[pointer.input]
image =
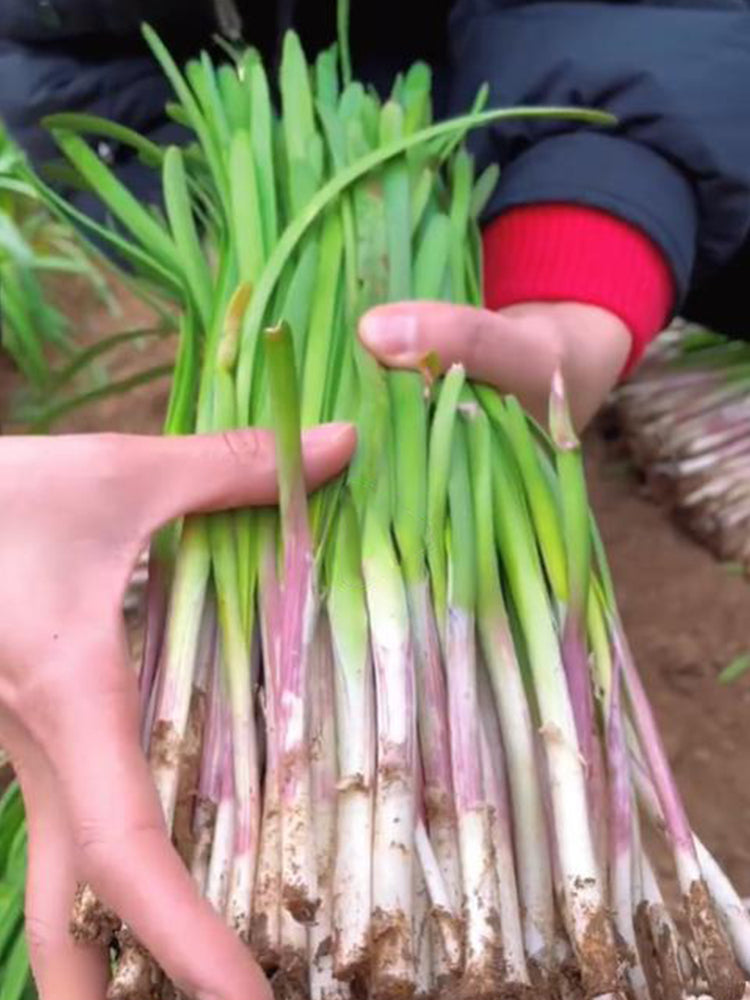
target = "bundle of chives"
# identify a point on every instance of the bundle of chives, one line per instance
(421, 737)
(686, 419)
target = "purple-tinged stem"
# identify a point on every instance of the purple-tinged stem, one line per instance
(323, 984)
(220, 865)
(676, 969)
(209, 783)
(299, 610)
(445, 919)
(355, 725)
(732, 911)
(178, 663)
(434, 737)
(155, 625)
(497, 794)
(575, 523)
(576, 663)
(620, 830)
(393, 959)
(423, 942)
(483, 959)
(720, 968)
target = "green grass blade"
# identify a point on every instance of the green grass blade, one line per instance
(140, 259)
(124, 206)
(397, 210)
(41, 421)
(342, 31)
(326, 78)
(185, 233)
(409, 429)
(422, 193)
(84, 358)
(543, 504)
(304, 164)
(261, 116)
(734, 670)
(11, 915)
(296, 97)
(459, 218)
(299, 298)
(193, 115)
(431, 261)
(463, 576)
(246, 219)
(416, 97)
(215, 111)
(438, 467)
(181, 408)
(84, 124)
(233, 98)
(321, 331)
(484, 188)
(575, 510)
(11, 818)
(16, 972)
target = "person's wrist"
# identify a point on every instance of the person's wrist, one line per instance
(568, 255)
(588, 344)
(595, 342)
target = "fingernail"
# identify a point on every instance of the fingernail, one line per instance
(390, 333)
(327, 434)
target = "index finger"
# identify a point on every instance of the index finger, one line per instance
(126, 855)
(206, 472)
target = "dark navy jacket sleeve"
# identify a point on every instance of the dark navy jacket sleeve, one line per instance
(88, 55)
(36, 81)
(677, 77)
(55, 20)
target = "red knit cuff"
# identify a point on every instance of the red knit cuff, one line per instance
(565, 253)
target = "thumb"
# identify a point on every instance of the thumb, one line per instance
(204, 472)
(508, 353)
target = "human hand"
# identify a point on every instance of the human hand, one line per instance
(517, 349)
(74, 514)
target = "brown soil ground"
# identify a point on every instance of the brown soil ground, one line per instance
(687, 616)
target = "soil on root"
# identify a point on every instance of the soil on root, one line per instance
(567, 984)
(296, 900)
(290, 981)
(391, 956)
(598, 957)
(190, 764)
(659, 966)
(264, 950)
(725, 980)
(137, 976)
(91, 922)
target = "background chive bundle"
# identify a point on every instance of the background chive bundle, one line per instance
(395, 729)
(686, 418)
(33, 247)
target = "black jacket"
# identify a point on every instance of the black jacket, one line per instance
(676, 73)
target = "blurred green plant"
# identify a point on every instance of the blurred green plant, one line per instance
(736, 669)
(36, 243)
(33, 245)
